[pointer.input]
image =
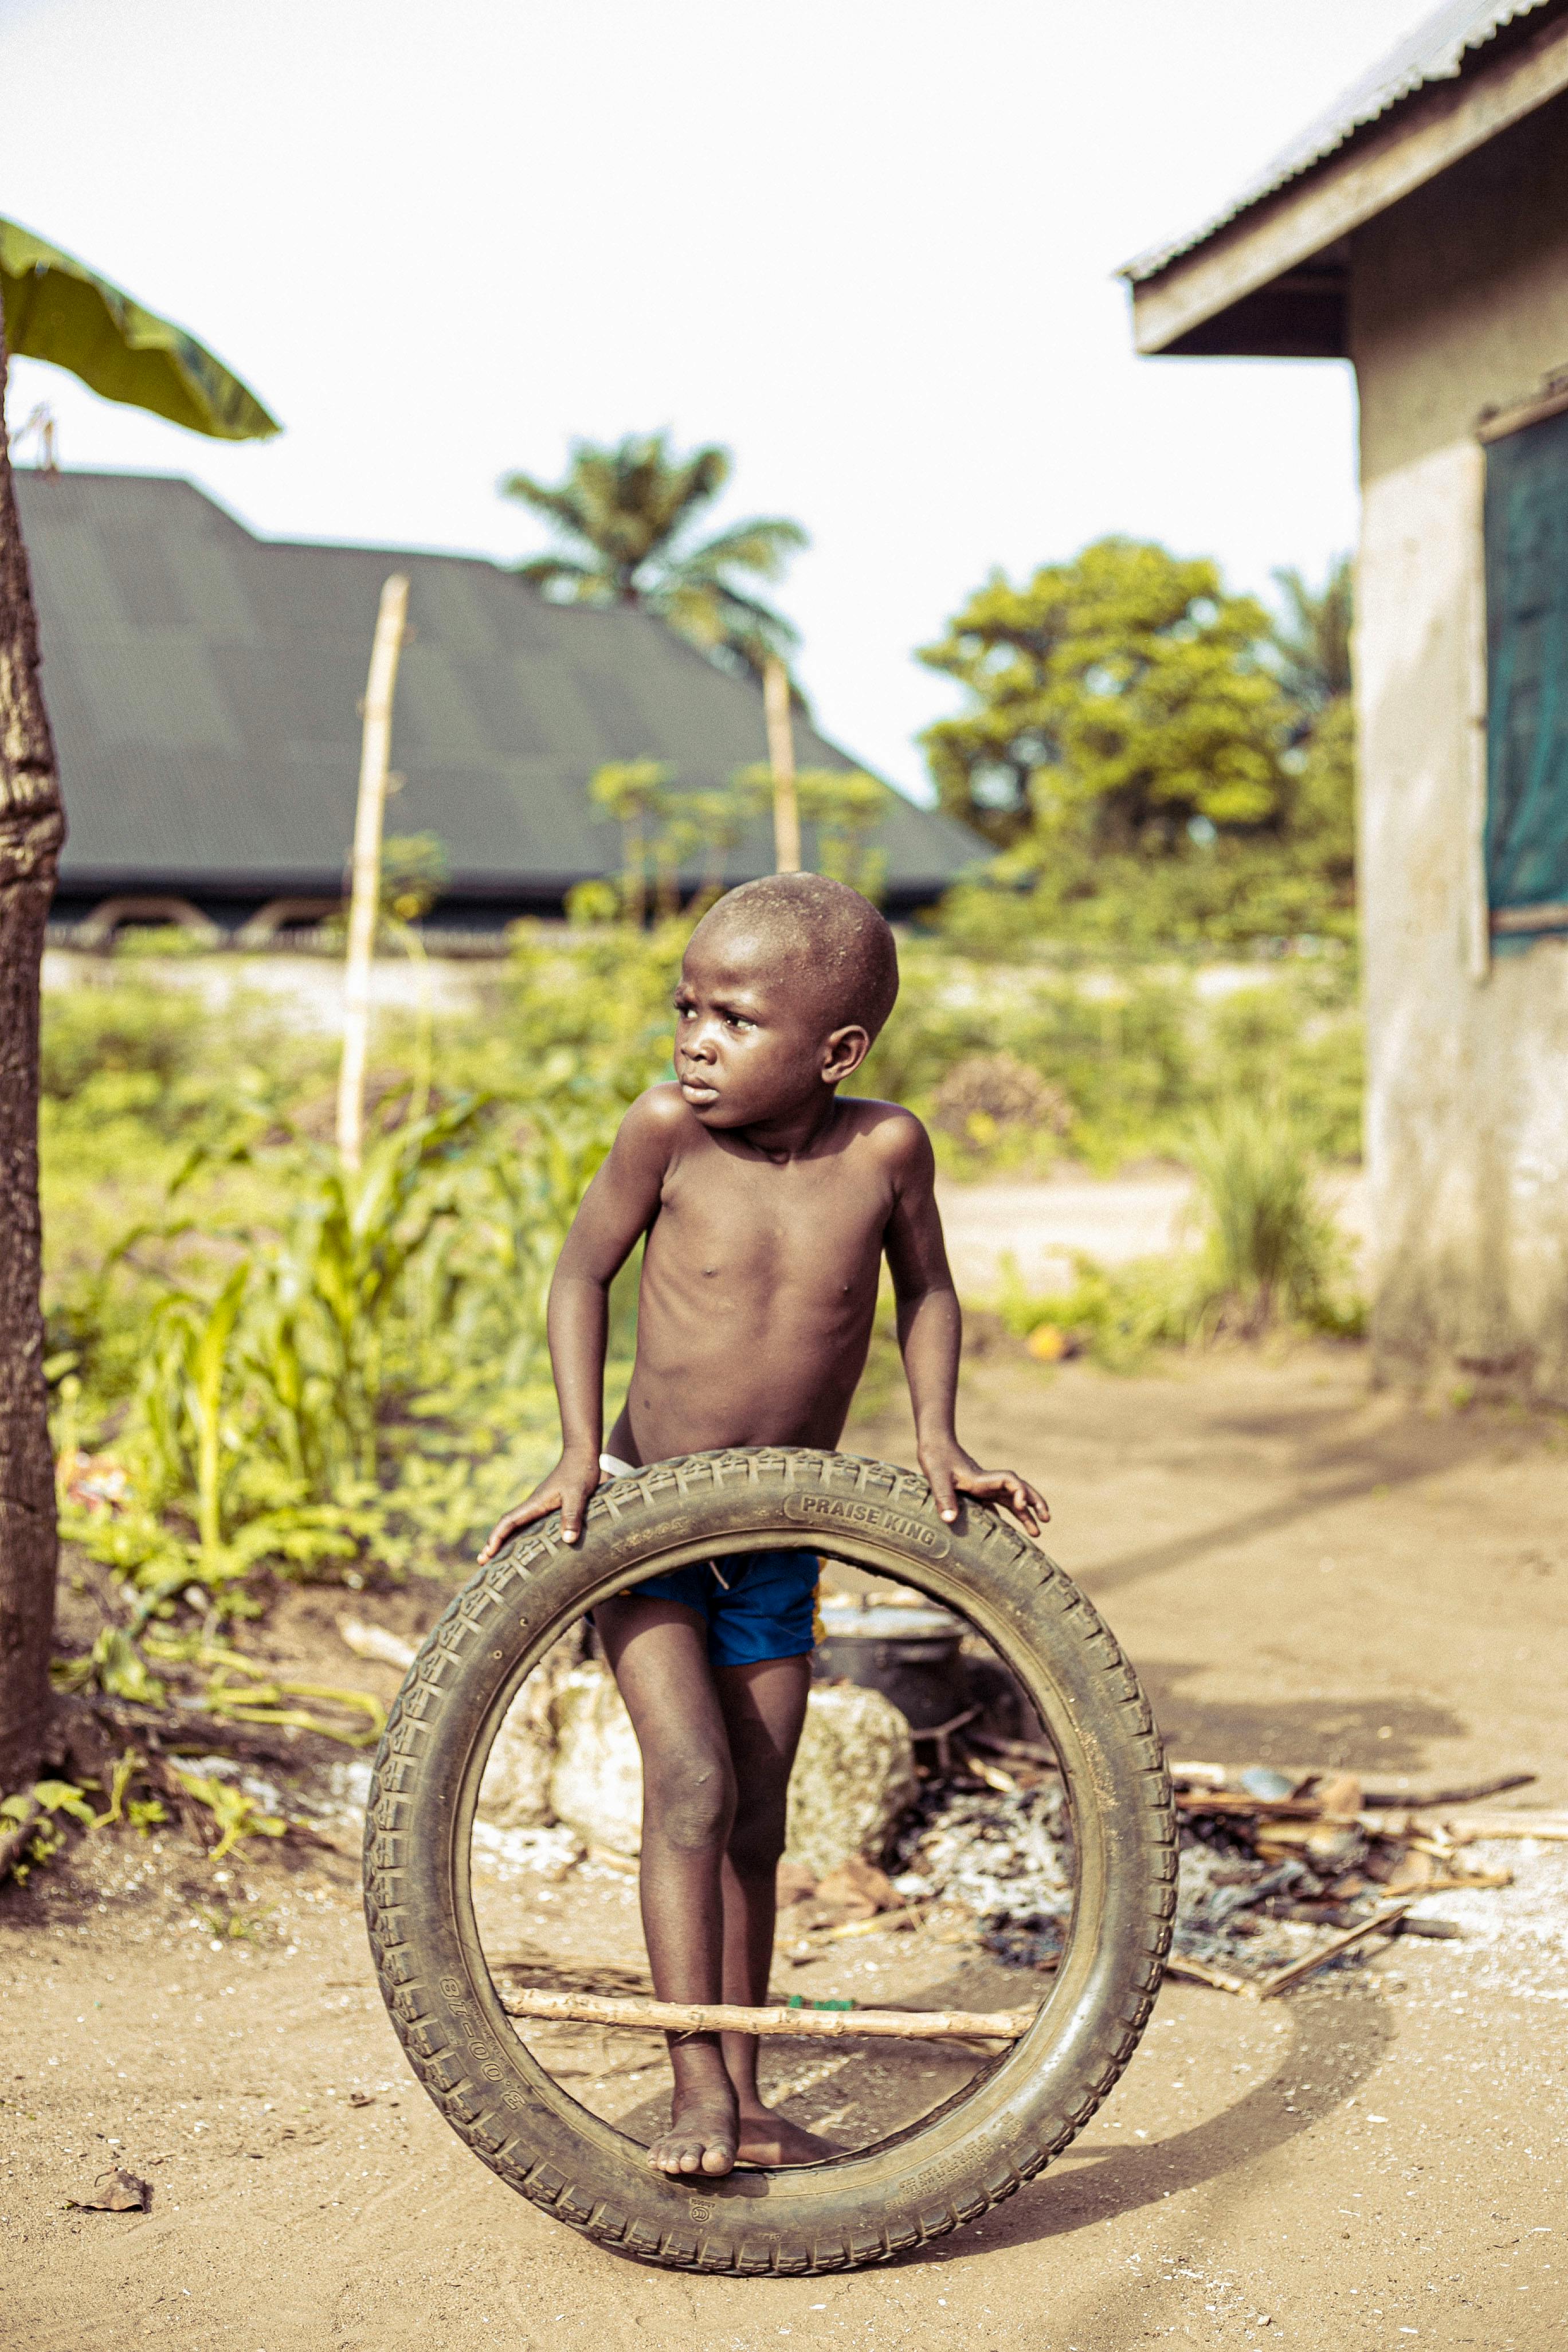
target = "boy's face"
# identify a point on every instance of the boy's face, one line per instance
(750, 1041)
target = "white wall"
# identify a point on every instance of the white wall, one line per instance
(1460, 303)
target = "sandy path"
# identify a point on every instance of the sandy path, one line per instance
(1043, 1227)
(1377, 2161)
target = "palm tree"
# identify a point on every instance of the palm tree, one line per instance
(1312, 640)
(625, 516)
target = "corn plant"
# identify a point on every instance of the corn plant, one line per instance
(189, 1374)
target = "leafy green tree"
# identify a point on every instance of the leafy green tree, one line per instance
(1118, 703)
(626, 517)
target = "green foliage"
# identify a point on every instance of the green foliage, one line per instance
(261, 1367)
(1114, 1314)
(1159, 766)
(39, 1808)
(113, 1664)
(236, 1814)
(665, 828)
(1115, 700)
(624, 516)
(843, 806)
(1129, 1056)
(415, 870)
(359, 1372)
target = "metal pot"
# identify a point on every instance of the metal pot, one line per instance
(910, 1654)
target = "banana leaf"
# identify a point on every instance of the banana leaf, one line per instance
(58, 309)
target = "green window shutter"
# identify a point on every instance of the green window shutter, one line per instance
(1527, 684)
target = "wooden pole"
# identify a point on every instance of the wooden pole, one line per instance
(365, 903)
(819, 2024)
(781, 759)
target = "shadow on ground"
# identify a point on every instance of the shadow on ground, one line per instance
(1379, 1736)
(1339, 2040)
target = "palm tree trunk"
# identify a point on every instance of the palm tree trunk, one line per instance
(32, 827)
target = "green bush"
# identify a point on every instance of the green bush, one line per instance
(1134, 1053)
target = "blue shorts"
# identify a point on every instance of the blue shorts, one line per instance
(756, 1605)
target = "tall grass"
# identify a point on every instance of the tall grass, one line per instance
(1269, 1248)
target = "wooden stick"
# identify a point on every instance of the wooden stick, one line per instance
(1470, 1794)
(1469, 1827)
(781, 759)
(364, 905)
(1282, 1978)
(1027, 1751)
(820, 2024)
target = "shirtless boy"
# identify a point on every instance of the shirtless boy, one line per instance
(767, 1203)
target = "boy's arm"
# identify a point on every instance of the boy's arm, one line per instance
(930, 1329)
(616, 1211)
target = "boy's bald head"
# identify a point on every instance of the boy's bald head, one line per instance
(833, 942)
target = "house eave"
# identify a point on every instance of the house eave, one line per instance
(1270, 283)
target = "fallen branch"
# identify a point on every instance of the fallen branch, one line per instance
(723, 2017)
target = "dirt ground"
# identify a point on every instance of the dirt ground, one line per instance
(1303, 1574)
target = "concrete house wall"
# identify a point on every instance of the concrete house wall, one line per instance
(1457, 304)
(1419, 228)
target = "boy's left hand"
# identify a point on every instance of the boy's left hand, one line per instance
(952, 1471)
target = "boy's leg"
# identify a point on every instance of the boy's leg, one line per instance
(658, 1652)
(764, 1708)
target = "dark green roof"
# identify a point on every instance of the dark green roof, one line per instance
(204, 684)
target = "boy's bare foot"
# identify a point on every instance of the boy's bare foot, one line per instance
(702, 2135)
(768, 2137)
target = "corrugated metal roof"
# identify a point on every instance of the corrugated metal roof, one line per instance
(1435, 51)
(204, 684)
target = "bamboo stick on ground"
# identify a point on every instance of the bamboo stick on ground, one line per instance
(1282, 1978)
(724, 2017)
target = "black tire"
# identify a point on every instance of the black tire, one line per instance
(944, 2170)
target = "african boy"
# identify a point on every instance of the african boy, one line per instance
(768, 1203)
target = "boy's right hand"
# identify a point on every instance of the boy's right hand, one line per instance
(566, 1489)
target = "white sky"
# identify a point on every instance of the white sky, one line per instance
(866, 244)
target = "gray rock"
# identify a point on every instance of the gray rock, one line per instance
(515, 1791)
(854, 1775)
(595, 1786)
